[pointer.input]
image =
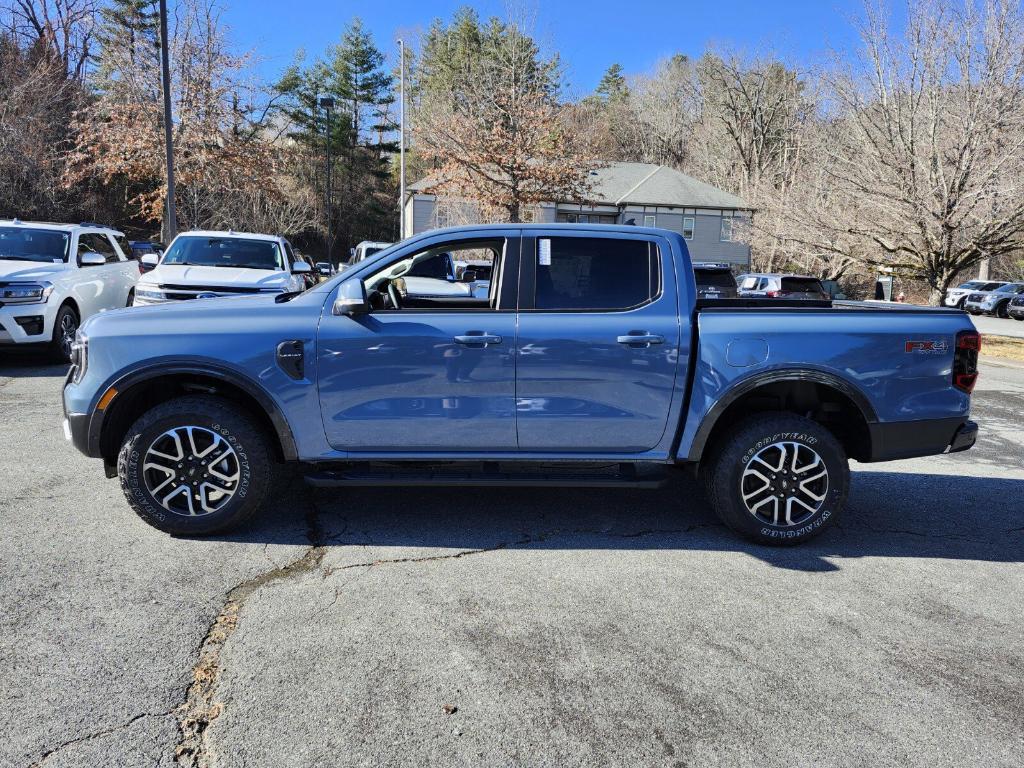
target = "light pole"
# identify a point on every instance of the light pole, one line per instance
(170, 214)
(401, 142)
(327, 102)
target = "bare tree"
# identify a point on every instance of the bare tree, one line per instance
(928, 143)
(64, 27)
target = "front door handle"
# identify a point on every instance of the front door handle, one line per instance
(640, 339)
(477, 339)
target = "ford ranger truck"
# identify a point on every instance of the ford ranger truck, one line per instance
(590, 363)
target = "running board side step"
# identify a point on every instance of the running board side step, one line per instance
(624, 476)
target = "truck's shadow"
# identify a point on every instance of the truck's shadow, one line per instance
(889, 514)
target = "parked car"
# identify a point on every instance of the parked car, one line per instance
(366, 249)
(588, 364)
(207, 265)
(324, 268)
(714, 280)
(777, 286)
(955, 297)
(54, 276)
(1016, 308)
(995, 302)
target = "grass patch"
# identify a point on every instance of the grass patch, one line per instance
(1004, 347)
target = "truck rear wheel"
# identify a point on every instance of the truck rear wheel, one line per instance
(195, 465)
(778, 479)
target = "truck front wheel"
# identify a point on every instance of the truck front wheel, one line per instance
(195, 465)
(778, 478)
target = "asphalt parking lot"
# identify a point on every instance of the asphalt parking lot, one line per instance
(479, 627)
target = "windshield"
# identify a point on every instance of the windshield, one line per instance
(45, 245)
(236, 252)
(1010, 288)
(802, 285)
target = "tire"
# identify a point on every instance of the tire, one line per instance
(960, 304)
(203, 432)
(64, 327)
(1002, 310)
(739, 465)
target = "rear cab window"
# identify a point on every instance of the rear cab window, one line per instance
(802, 285)
(717, 278)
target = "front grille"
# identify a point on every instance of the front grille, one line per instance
(179, 292)
(1018, 302)
(976, 297)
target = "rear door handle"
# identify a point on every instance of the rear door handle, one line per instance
(477, 339)
(640, 339)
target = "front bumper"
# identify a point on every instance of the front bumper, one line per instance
(1015, 311)
(35, 326)
(984, 309)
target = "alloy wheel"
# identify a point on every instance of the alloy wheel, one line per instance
(784, 484)
(191, 471)
(68, 327)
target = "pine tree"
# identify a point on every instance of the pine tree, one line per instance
(129, 49)
(612, 87)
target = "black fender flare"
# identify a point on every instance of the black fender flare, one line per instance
(751, 383)
(156, 369)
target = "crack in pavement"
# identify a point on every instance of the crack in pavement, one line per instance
(95, 735)
(524, 542)
(200, 706)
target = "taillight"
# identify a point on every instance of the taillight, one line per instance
(772, 294)
(965, 360)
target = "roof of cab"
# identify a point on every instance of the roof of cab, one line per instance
(59, 226)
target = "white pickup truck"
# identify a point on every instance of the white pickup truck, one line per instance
(209, 264)
(54, 276)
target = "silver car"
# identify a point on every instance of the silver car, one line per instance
(995, 302)
(955, 297)
(779, 286)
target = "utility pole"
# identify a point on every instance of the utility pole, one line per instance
(401, 143)
(170, 214)
(327, 102)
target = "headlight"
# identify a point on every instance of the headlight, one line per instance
(149, 293)
(79, 355)
(26, 293)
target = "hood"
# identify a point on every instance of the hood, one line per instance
(187, 274)
(167, 313)
(28, 270)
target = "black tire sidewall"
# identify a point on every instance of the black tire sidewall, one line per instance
(230, 424)
(55, 336)
(737, 450)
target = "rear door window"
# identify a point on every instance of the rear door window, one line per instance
(583, 273)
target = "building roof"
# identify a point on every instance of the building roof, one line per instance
(645, 184)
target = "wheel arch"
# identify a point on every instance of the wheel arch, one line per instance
(140, 390)
(819, 395)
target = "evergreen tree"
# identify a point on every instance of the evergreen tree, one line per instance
(612, 87)
(128, 62)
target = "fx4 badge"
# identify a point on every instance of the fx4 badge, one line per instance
(928, 346)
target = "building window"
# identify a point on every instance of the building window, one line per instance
(688, 227)
(650, 220)
(727, 234)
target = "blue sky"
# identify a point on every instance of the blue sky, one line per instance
(589, 35)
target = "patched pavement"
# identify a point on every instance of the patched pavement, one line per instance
(511, 627)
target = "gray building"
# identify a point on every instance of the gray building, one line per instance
(712, 221)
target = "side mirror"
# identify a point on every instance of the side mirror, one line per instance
(150, 259)
(468, 276)
(351, 299)
(301, 268)
(92, 259)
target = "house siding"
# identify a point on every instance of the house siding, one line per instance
(705, 245)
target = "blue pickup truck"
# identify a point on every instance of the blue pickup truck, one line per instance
(590, 363)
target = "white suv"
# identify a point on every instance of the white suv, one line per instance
(205, 265)
(54, 276)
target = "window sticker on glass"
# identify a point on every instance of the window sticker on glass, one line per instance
(544, 252)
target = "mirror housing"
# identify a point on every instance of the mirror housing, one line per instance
(468, 276)
(301, 268)
(92, 259)
(351, 299)
(150, 259)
